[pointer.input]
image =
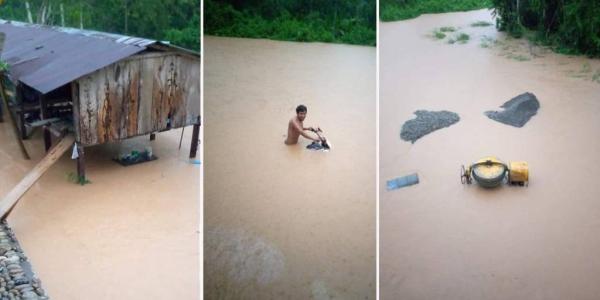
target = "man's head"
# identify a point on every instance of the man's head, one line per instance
(301, 112)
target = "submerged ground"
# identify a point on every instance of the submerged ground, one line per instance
(442, 240)
(284, 222)
(130, 234)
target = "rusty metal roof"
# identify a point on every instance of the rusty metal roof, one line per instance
(47, 57)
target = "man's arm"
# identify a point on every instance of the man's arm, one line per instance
(304, 134)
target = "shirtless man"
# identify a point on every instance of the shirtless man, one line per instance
(296, 127)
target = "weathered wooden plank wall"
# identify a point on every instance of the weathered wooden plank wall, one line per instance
(137, 96)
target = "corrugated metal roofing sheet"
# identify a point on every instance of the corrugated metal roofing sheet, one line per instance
(46, 58)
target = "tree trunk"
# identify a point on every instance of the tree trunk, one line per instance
(28, 12)
(62, 15)
(48, 19)
(80, 15)
(42, 12)
(126, 11)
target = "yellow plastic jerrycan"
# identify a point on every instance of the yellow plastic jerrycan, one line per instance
(518, 172)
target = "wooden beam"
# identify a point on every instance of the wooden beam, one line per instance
(11, 199)
(43, 122)
(44, 115)
(21, 110)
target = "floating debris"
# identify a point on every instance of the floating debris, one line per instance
(447, 29)
(135, 157)
(462, 38)
(487, 42)
(481, 24)
(596, 76)
(438, 34)
(403, 181)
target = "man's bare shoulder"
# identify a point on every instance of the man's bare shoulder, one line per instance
(294, 121)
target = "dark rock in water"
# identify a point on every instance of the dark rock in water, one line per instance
(517, 111)
(21, 281)
(427, 122)
(16, 277)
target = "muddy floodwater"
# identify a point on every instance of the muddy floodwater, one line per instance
(130, 234)
(284, 222)
(440, 239)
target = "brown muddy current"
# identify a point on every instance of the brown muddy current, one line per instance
(284, 222)
(130, 234)
(440, 239)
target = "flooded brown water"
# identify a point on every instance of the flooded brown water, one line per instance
(284, 222)
(442, 240)
(130, 234)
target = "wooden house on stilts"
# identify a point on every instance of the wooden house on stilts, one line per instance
(102, 87)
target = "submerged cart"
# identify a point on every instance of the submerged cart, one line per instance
(490, 172)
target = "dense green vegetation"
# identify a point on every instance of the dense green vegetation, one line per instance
(333, 21)
(177, 21)
(568, 26)
(395, 10)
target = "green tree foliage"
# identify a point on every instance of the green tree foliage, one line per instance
(569, 26)
(396, 10)
(336, 21)
(176, 21)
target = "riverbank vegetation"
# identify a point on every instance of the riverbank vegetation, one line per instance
(568, 26)
(334, 21)
(396, 10)
(176, 21)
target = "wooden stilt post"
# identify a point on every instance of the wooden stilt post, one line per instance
(47, 138)
(80, 152)
(2, 37)
(12, 120)
(195, 135)
(44, 115)
(22, 121)
(2, 112)
(181, 138)
(80, 163)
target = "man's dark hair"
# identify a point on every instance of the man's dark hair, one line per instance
(300, 108)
